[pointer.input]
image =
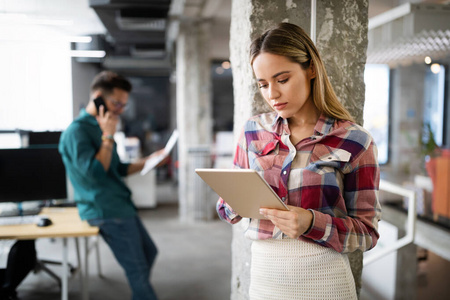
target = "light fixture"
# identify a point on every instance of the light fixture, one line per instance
(427, 60)
(435, 68)
(88, 53)
(226, 65)
(79, 39)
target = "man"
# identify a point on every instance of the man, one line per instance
(89, 153)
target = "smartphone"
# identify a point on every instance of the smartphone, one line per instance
(98, 102)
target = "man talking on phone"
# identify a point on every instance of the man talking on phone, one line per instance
(89, 154)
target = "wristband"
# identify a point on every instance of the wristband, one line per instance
(107, 137)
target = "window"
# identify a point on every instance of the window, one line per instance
(35, 76)
(433, 111)
(376, 107)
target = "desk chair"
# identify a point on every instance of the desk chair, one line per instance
(41, 266)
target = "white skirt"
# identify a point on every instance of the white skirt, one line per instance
(295, 269)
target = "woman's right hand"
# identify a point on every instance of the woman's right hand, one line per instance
(294, 222)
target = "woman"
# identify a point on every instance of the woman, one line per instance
(320, 163)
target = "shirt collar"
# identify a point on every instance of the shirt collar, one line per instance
(323, 126)
(279, 125)
(88, 118)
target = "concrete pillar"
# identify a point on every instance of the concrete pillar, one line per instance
(194, 115)
(342, 41)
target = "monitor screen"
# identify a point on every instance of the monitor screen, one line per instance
(43, 137)
(29, 174)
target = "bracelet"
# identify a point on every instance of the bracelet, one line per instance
(107, 137)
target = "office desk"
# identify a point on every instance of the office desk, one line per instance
(66, 223)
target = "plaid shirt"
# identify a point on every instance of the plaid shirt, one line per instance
(334, 173)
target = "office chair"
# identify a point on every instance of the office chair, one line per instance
(40, 266)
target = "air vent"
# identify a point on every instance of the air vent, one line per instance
(148, 51)
(141, 19)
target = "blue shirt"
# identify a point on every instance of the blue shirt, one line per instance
(98, 193)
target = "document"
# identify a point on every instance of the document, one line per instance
(155, 160)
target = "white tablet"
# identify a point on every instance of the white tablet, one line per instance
(243, 189)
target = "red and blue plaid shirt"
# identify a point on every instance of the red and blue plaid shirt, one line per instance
(334, 173)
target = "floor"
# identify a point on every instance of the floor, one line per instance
(194, 262)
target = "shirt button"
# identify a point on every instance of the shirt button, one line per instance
(284, 172)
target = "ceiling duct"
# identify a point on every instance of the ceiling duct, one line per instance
(408, 33)
(148, 51)
(133, 23)
(142, 19)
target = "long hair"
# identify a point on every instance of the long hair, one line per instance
(292, 42)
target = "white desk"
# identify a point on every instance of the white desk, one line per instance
(66, 223)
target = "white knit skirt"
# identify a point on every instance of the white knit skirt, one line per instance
(294, 269)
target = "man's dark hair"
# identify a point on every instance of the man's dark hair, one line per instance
(106, 81)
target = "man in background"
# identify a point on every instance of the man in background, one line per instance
(89, 154)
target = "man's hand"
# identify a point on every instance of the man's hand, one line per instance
(293, 223)
(107, 121)
(158, 153)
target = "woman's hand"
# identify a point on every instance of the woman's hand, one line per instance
(293, 223)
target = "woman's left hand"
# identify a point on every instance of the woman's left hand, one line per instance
(293, 222)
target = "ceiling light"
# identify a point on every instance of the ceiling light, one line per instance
(435, 68)
(427, 60)
(88, 53)
(226, 65)
(79, 39)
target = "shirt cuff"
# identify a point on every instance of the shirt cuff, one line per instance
(319, 230)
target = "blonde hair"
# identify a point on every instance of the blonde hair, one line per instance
(291, 41)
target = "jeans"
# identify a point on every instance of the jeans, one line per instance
(133, 249)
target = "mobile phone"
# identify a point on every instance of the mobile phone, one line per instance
(98, 102)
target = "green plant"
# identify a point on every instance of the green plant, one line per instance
(428, 146)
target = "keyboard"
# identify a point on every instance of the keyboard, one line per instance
(17, 220)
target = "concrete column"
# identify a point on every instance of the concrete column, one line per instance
(342, 40)
(194, 113)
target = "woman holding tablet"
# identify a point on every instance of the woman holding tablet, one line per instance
(319, 162)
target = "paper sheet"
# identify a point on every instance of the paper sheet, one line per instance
(155, 160)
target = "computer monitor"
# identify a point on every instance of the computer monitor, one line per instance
(43, 137)
(28, 174)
